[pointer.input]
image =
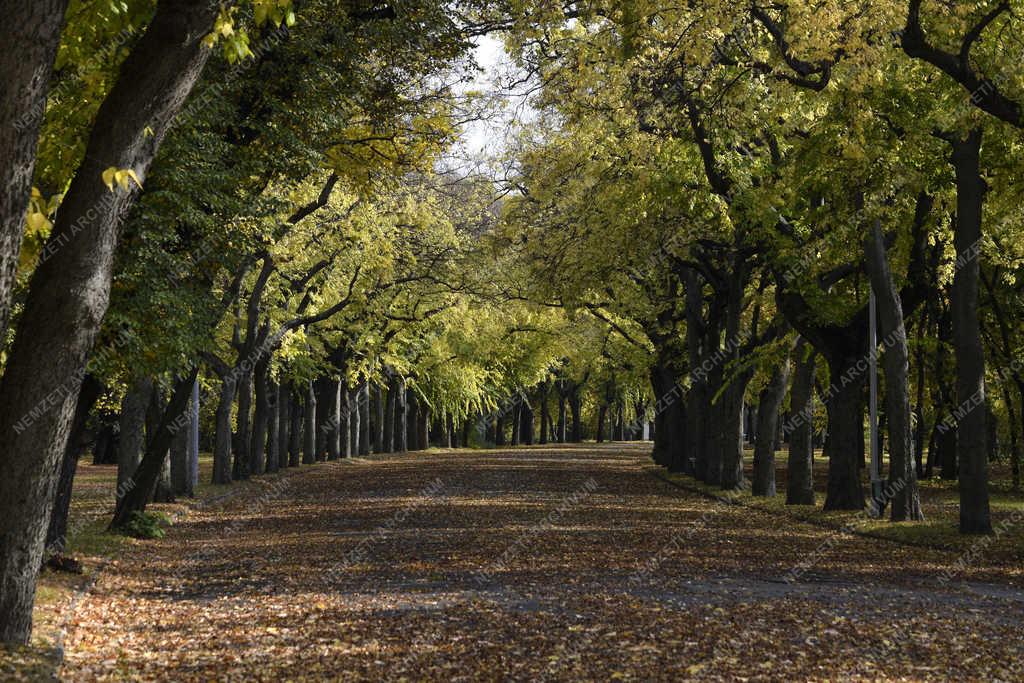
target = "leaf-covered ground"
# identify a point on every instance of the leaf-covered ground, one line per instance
(558, 563)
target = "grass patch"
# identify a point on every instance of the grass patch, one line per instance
(939, 501)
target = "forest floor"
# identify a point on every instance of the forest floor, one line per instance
(543, 563)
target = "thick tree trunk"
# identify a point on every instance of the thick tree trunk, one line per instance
(56, 535)
(800, 462)
(906, 500)
(401, 417)
(422, 428)
(274, 428)
(975, 517)
(334, 429)
(602, 414)
(295, 428)
(348, 420)
(526, 423)
(364, 419)
(30, 34)
(379, 428)
(78, 261)
(1015, 443)
(844, 444)
(181, 477)
(768, 404)
(731, 434)
(389, 415)
(222, 434)
(309, 426)
(132, 428)
(545, 412)
(284, 422)
(576, 407)
(412, 420)
(516, 426)
(242, 442)
(104, 451)
(261, 416)
(562, 419)
(323, 388)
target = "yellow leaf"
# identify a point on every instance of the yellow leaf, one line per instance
(108, 178)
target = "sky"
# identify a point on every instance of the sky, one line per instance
(485, 138)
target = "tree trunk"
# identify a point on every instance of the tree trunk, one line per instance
(412, 420)
(132, 428)
(379, 428)
(334, 434)
(193, 440)
(545, 412)
(516, 426)
(364, 418)
(576, 407)
(56, 535)
(602, 414)
(274, 429)
(79, 256)
(295, 429)
(906, 500)
(844, 444)
(768, 404)
(401, 417)
(309, 426)
(389, 415)
(971, 449)
(222, 435)
(181, 477)
(526, 423)
(422, 426)
(800, 462)
(30, 35)
(284, 422)
(561, 412)
(261, 416)
(243, 437)
(1015, 443)
(173, 418)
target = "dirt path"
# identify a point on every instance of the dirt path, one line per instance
(536, 564)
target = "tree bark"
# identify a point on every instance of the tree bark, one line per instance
(844, 444)
(261, 416)
(284, 422)
(412, 421)
(389, 416)
(800, 462)
(222, 433)
(181, 479)
(562, 421)
(401, 417)
(132, 428)
(295, 427)
(379, 428)
(309, 426)
(334, 432)
(242, 442)
(906, 500)
(30, 34)
(160, 72)
(975, 517)
(56, 535)
(274, 428)
(364, 419)
(768, 404)
(422, 425)
(545, 412)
